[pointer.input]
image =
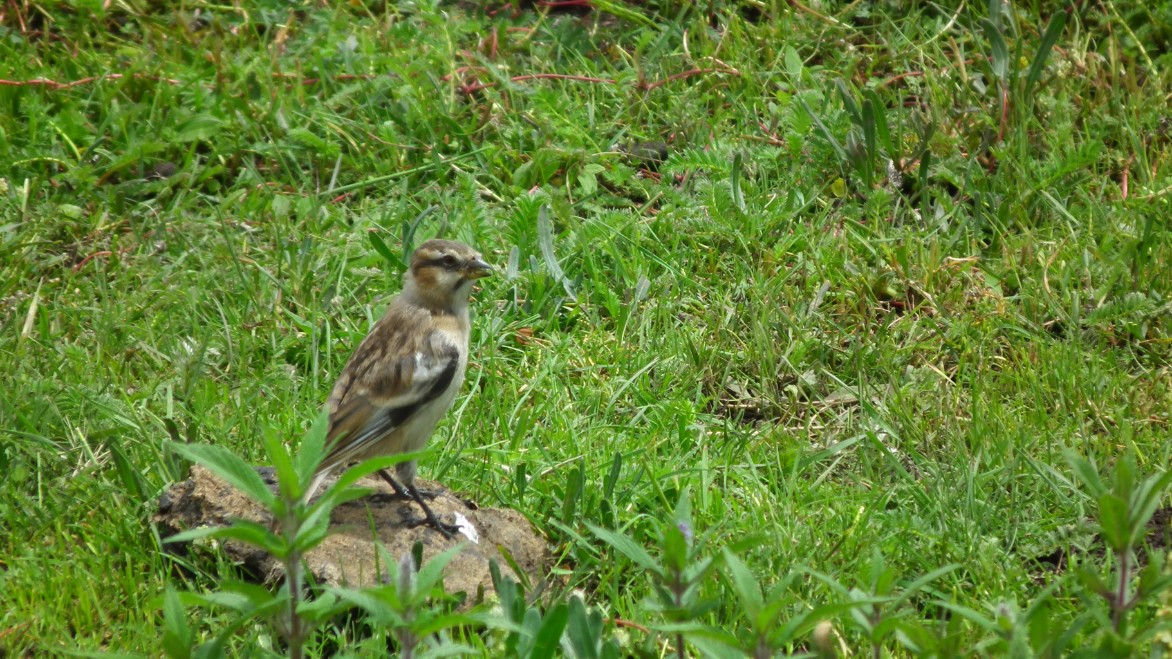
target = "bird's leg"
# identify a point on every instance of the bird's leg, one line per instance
(448, 530)
(402, 493)
(399, 491)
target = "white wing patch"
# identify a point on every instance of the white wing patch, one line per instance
(427, 369)
(430, 377)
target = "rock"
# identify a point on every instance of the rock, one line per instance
(347, 556)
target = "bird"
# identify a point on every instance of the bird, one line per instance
(404, 376)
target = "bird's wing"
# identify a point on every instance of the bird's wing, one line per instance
(380, 397)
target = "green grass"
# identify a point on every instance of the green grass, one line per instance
(833, 366)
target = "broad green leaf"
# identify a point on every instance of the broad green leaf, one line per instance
(313, 530)
(1087, 474)
(548, 638)
(734, 179)
(545, 244)
(914, 587)
(803, 624)
(793, 62)
(310, 451)
(215, 648)
(251, 533)
(381, 248)
(340, 491)
(322, 608)
(1125, 476)
(278, 455)
(574, 485)
(530, 625)
(381, 604)
(230, 467)
(718, 649)
(588, 182)
(999, 52)
(1152, 580)
(745, 585)
(198, 127)
(1147, 498)
(913, 636)
(446, 621)
(884, 628)
(325, 505)
(627, 547)
(1113, 519)
(433, 570)
(882, 132)
(1049, 38)
(870, 133)
(1094, 582)
(257, 535)
(583, 630)
(195, 534)
(847, 94)
(981, 620)
(518, 572)
(248, 599)
(177, 636)
(675, 548)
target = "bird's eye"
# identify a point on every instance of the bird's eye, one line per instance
(449, 261)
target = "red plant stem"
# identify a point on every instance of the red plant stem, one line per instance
(1126, 176)
(685, 74)
(314, 81)
(474, 87)
(467, 89)
(91, 257)
(559, 76)
(1004, 112)
(918, 74)
(619, 622)
(53, 84)
(460, 70)
(1119, 604)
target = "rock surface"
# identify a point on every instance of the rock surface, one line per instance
(347, 557)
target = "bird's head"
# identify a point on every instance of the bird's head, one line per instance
(442, 272)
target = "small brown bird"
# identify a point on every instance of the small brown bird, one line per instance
(405, 374)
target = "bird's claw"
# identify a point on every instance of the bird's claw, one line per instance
(394, 496)
(449, 531)
(430, 495)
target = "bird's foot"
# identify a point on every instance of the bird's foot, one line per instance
(430, 495)
(449, 531)
(391, 496)
(384, 497)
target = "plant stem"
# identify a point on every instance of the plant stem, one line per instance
(678, 591)
(1119, 603)
(293, 581)
(876, 647)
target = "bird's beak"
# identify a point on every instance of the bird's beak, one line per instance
(477, 268)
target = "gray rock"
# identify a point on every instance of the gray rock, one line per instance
(347, 557)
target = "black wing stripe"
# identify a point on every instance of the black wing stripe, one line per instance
(441, 384)
(387, 421)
